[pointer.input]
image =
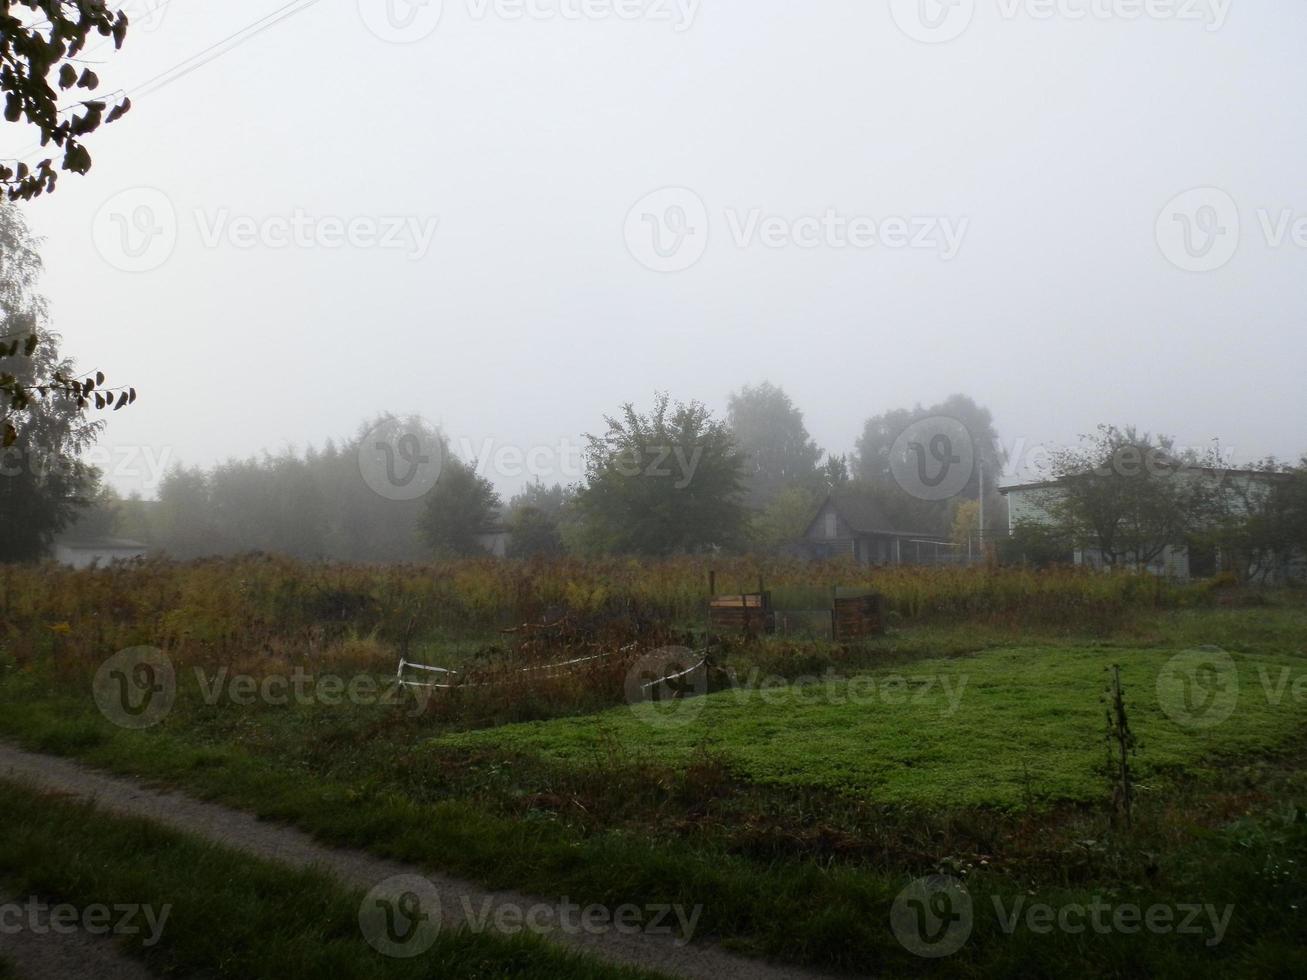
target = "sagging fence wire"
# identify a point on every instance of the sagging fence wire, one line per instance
(672, 677)
(573, 663)
(564, 668)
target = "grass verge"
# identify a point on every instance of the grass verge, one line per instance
(231, 915)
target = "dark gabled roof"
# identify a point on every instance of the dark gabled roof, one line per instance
(1210, 470)
(860, 511)
(1028, 486)
(863, 514)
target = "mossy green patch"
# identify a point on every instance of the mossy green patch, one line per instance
(996, 729)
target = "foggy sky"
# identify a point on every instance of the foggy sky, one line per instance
(1054, 144)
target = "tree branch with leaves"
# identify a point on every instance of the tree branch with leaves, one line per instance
(40, 45)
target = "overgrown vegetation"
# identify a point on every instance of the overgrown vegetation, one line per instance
(794, 822)
(261, 605)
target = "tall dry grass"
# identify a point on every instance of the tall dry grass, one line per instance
(269, 605)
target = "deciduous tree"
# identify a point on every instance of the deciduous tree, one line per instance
(461, 508)
(665, 482)
(768, 429)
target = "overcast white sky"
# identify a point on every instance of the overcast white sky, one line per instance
(1034, 158)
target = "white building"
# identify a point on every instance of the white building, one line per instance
(84, 553)
(1029, 503)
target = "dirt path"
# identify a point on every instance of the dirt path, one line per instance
(245, 832)
(41, 954)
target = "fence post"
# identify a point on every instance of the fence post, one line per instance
(712, 590)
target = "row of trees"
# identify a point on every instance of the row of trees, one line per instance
(787, 474)
(314, 505)
(673, 479)
(670, 480)
(755, 479)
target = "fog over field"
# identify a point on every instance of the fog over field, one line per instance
(510, 218)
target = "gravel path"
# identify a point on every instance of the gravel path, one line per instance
(42, 954)
(244, 832)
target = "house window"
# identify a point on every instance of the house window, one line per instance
(832, 526)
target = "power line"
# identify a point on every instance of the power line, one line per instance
(240, 37)
(199, 59)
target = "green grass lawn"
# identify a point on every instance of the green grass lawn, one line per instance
(828, 807)
(994, 729)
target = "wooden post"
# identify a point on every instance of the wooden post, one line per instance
(834, 629)
(712, 590)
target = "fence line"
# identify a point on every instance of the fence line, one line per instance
(399, 674)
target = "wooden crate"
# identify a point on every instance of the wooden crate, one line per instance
(858, 616)
(747, 613)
